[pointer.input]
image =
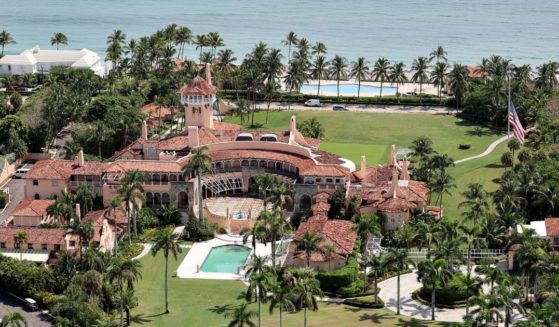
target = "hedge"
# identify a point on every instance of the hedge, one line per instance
(365, 302)
(333, 280)
(417, 295)
(24, 278)
(426, 100)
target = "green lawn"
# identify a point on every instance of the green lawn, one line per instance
(352, 134)
(196, 302)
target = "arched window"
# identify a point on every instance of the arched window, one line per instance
(263, 164)
(156, 179)
(37, 196)
(218, 165)
(149, 199)
(165, 199)
(254, 163)
(156, 199)
(173, 178)
(278, 165)
(245, 163)
(164, 179)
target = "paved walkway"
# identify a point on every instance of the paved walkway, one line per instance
(487, 151)
(16, 190)
(10, 303)
(145, 251)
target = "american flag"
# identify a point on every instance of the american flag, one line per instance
(514, 121)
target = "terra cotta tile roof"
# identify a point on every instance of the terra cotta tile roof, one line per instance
(35, 235)
(63, 169)
(552, 227)
(32, 208)
(198, 86)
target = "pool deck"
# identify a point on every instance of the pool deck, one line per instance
(404, 88)
(190, 266)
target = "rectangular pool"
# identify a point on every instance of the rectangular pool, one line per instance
(226, 259)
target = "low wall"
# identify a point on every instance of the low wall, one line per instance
(230, 225)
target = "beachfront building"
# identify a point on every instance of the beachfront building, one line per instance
(229, 193)
(41, 61)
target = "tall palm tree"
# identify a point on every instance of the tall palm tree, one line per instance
(295, 76)
(381, 71)
(167, 242)
(309, 243)
(546, 76)
(241, 316)
(398, 76)
(131, 192)
(117, 36)
(319, 48)
(338, 70)
(360, 71)
(487, 309)
(476, 200)
(200, 163)
(100, 133)
(469, 285)
(318, 68)
(441, 183)
(420, 66)
(265, 184)
(428, 233)
(114, 53)
(256, 233)
(433, 273)
(5, 39)
(215, 41)
(306, 289)
(58, 38)
(365, 226)
(458, 82)
(85, 195)
(378, 266)
(399, 260)
(438, 53)
(259, 284)
(280, 296)
(183, 36)
(124, 271)
(225, 59)
(473, 238)
(201, 41)
(13, 319)
(19, 239)
(438, 77)
(290, 39)
(508, 296)
(113, 205)
(274, 226)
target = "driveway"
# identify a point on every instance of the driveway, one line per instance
(15, 187)
(362, 108)
(9, 303)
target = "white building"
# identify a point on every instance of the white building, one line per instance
(40, 61)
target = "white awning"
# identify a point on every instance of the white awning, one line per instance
(33, 256)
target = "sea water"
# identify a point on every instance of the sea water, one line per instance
(525, 31)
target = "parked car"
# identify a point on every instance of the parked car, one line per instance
(20, 172)
(455, 269)
(312, 103)
(339, 107)
(31, 304)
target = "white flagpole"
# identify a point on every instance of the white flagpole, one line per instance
(508, 115)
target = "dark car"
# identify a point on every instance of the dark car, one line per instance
(339, 107)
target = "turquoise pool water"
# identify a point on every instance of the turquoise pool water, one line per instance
(348, 89)
(225, 259)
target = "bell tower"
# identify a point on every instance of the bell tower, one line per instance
(198, 98)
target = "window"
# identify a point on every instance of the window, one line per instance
(57, 247)
(29, 246)
(35, 182)
(2, 245)
(16, 245)
(556, 241)
(54, 183)
(337, 181)
(72, 243)
(318, 180)
(43, 246)
(37, 196)
(328, 180)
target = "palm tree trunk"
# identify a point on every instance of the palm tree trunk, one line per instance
(166, 286)
(99, 148)
(376, 290)
(420, 92)
(305, 317)
(273, 250)
(318, 92)
(128, 227)
(121, 301)
(338, 88)
(127, 316)
(433, 303)
(398, 294)
(381, 82)
(200, 205)
(281, 318)
(358, 87)
(398, 92)
(259, 309)
(116, 234)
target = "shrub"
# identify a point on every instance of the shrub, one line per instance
(25, 278)
(46, 299)
(198, 230)
(365, 302)
(464, 146)
(130, 250)
(4, 198)
(452, 294)
(447, 305)
(334, 280)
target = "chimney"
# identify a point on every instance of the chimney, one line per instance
(193, 138)
(144, 134)
(395, 185)
(79, 159)
(392, 160)
(78, 211)
(363, 164)
(208, 73)
(293, 124)
(405, 174)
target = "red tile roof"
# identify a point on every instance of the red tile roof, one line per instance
(320, 207)
(198, 86)
(35, 235)
(63, 169)
(552, 227)
(154, 111)
(98, 216)
(338, 232)
(394, 205)
(32, 208)
(122, 166)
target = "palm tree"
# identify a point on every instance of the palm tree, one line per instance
(378, 266)
(470, 285)
(399, 260)
(265, 184)
(5, 39)
(319, 48)
(507, 296)
(113, 205)
(398, 76)
(241, 109)
(225, 59)
(85, 195)
(167, 242)
(306, 289)
(200, 163)
(274, 226)
(442, 182)
(19, 239)
(84, 230)
(318, 68)
(100, 133)
(124, 271)
(58, 38)
(422, 147)
(183, 36)
(312, 128)
(338, 70)
(365, 226)
(114, 52)
(487, 309)
(438, 77)
(428, 234)
(13, 319)
(432, 273)
(476, 200)
(290, 39)
(131, 192)
(201, 41)
(215, 41)
(309, 243)
(259, 284)
(439, 53)
(360, 71)
(458, 82)
(256, 233)
(280, 296)
(381, 71)
(473, 238)
(295, 76)
(241, 316)
(546, 76)
(420, 66)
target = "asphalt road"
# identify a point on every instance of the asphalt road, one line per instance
(9, 303)
(15, 187)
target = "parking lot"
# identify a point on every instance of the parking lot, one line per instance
(9, 303)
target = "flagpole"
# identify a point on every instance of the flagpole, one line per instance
(508, 110)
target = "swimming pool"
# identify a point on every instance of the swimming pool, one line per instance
(225, 259)
(347, 89)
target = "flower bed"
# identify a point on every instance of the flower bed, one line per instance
(365, 302)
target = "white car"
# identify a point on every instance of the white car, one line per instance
(312, 103)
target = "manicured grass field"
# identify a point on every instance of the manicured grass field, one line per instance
(195, 302)
(352, 134)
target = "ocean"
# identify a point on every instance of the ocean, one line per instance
(521, 30)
